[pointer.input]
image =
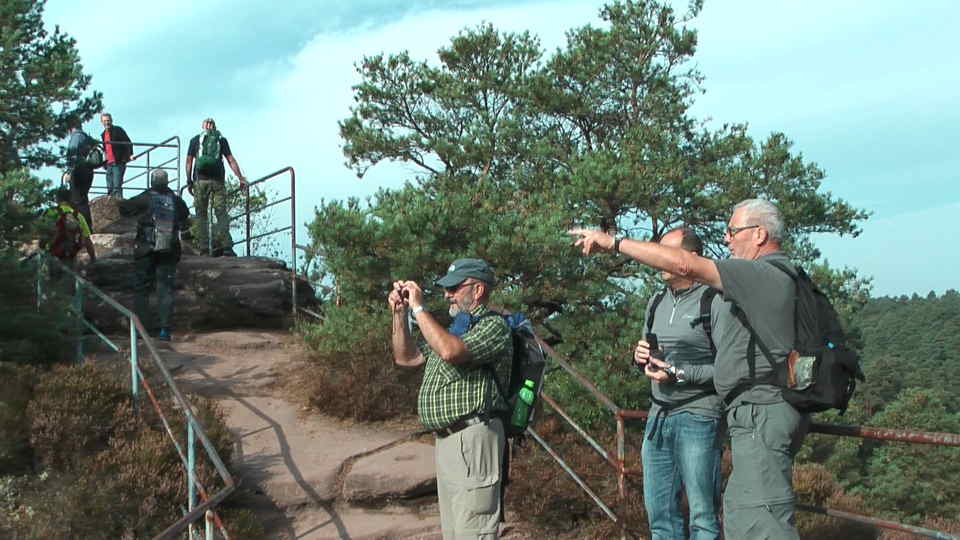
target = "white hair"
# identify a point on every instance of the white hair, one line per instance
(764, 213)
(159, 178)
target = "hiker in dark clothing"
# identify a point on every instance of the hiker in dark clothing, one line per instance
(83, 156)
(162, 215)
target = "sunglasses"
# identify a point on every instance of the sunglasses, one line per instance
(733, 231)
(455, 288)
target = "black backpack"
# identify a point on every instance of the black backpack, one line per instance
(528, 363)
(821, 371)
(159, 229)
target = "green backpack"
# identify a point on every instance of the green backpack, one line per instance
(208, 153)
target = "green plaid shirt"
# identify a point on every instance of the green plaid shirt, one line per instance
(451, 392)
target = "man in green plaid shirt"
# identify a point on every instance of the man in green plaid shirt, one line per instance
(459, 398)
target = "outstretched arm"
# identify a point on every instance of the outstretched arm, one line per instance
(674, 260)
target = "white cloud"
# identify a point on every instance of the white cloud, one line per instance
(297, 124)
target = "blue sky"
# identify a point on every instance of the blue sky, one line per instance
(866, 91)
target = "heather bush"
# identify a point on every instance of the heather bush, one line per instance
(109, 472)
(352, 373)
(75, 412)
(15, 453)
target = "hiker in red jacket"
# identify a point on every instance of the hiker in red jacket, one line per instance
(118, 155)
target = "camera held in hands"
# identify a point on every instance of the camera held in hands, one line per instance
(655, 351)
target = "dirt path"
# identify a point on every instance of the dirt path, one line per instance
(306, 476)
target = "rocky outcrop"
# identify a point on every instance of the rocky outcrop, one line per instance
(401, 472)
(211, 292)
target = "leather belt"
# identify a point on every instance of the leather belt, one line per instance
(461, 425)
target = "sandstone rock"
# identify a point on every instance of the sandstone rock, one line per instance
(211, 292)
(404, 471)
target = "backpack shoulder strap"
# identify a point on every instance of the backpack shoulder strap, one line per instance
(794, 272)
(755, 340)
(653, 308)
(489, 368)
(705, 319)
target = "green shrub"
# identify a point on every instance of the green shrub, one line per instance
(18, 382)
(29, 335)
(356, 367)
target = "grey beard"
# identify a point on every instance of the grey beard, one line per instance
(454, 309)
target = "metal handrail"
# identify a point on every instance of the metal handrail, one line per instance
(170, 142)
(194, 427)
(248, 212)
(619, 462)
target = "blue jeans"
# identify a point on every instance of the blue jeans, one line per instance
(688, 452)
(115, 179)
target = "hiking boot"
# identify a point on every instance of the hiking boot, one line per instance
(164, 334)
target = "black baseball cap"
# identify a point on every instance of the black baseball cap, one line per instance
(461, 269)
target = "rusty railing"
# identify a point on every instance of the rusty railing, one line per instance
(617, 460)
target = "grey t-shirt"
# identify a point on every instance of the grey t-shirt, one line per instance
(767, 296)
(686, 345)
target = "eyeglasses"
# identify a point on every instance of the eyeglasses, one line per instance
(455, 288)
(733, 231)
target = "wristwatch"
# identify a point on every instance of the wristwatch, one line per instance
(416, 310)
(677, 374)
(616, 243)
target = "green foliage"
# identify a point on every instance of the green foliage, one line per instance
(358, 367)
(15, 454)
(29, 335)
(513, 146)
(909, 357)
(912, 481)
(21, 195)
(43, 86)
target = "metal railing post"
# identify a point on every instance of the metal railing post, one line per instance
(191, 470)
(77, 325)
(622, 474)
(134, 382)
(208, 531)
(148, 167)
(246, 199)
(200, 501)
(293, 238)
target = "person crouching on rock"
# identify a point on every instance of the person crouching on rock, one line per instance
(458, 397)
